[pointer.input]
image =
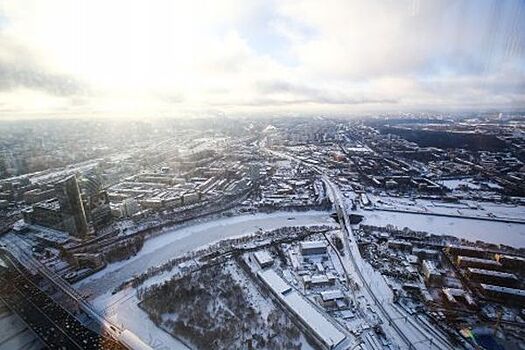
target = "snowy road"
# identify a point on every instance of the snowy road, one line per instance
(404, 329)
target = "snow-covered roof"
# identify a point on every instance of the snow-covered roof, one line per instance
(274, 281)
(327, 332)
(504, 290)
(492, 273)
(332, 295)
(263, 257)
(478, 260)
(313, 245)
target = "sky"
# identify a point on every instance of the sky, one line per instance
(178, 58)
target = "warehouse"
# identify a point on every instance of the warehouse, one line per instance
(326, 333)
(313, 247)
(333, 298)
(264, 259)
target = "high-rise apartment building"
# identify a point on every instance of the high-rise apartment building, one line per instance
(72, 207)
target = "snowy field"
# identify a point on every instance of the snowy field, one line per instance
(122, 308)
(471, 229)
(469, 183)
(463, 208)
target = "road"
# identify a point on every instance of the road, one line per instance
(405, 330)
(21, 250)
(53, 324)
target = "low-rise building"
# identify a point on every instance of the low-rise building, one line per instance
(313, 247)
(456, 296)
(263, 258)
(504, 293)
(512, 263)
(333, 298)
(467, 261)
(400, 245)
(465, 250)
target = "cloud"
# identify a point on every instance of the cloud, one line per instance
(32, 77)
(19, 69)
(160, 57)
(293, 94)
(366, 39)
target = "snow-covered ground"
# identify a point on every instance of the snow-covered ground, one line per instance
(463, 208)
(469, 183)
(122, 308)
(471, 229)
(162, 248)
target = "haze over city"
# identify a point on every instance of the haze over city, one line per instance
(262, 175)
(186, 58)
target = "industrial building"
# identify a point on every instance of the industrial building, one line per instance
(333, 298)
(313, 247)
(327, 334)
(263, 258)
(319, 280)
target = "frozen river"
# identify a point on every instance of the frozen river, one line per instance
(171, 244)
(489, 231)
(122, 307)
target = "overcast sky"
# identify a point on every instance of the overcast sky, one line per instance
(184, 58)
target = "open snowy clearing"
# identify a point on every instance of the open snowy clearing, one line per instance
(466, 208)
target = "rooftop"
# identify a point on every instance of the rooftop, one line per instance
(492, 273)
(313, 245)
(504, 290)
(309, 315)
(332, 295)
